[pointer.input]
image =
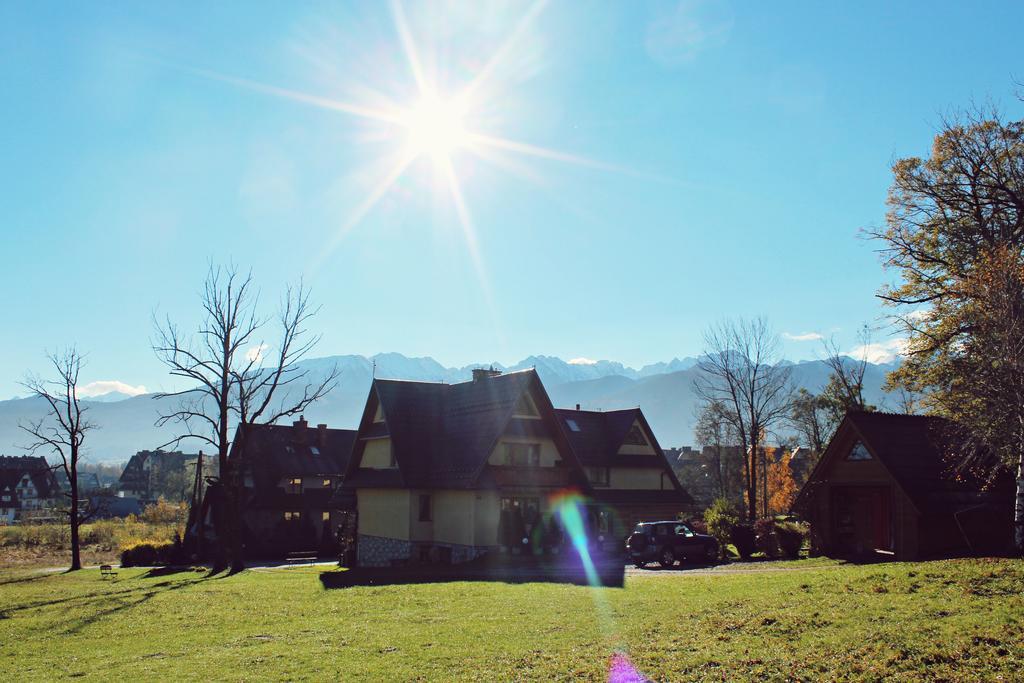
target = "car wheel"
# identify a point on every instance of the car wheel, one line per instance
(639, 564)
(667, 558)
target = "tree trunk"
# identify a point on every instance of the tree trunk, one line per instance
(752, 481)
(1018, 513)
(236, 546)
(76, 559)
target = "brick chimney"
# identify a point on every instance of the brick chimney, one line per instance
(577, 406)
(321, 436)
(480, 374)
(300, 426)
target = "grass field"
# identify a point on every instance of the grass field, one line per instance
(806, 620)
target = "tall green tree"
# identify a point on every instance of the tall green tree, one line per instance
(955, 238)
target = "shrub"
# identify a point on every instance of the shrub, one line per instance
(162, 512)
(150, 553)
(719, 519)
(790, 536)
(744, 538)
(764, 533)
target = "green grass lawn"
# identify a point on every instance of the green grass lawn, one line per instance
(954, 620)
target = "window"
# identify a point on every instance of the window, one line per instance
(424, 507)
(598, 476)
(314, 450)
(294, 485)
(683, 530)
(528, 507)
(859, 452)
(522, 454)
(525, 407)
(635, 436)
(378, 416)
(327, 483)
(325, 516)
(292, 516)
(572, 425)
(661, 530)
(6, 498)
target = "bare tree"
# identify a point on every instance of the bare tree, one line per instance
(845, 388)
(62, 429)
(740, 369)
(714, 431)
(811, 418)
(237, 378)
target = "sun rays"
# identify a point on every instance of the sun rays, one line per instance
(435, 121)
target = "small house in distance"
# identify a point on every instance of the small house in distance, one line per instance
(28, 488)
(882, 487)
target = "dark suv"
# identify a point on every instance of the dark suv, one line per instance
(666, 542)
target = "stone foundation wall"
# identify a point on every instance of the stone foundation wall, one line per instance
(377, 551)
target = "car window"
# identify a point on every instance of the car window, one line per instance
(639, 529)
(661, 530)
(683, 530)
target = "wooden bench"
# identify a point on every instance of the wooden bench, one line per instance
(107, 571)
(302, 557)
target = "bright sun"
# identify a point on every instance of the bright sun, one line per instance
(435, 127)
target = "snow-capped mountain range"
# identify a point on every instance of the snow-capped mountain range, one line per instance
(663, 390)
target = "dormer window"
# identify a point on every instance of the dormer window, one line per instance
(522, 454)
(526, 408)
(859, 452)
(294, 485)
(598, 476)
(572, 425)
(635, 436)
(327, 483)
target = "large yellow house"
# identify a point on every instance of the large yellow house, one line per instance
(448, 472)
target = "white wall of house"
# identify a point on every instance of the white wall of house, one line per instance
(377, 455)
(385, 512)
(637, 478)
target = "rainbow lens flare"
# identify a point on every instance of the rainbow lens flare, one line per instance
(570, 510)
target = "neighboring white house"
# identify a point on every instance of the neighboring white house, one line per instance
(27, 487)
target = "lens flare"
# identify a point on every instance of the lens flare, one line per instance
(621, 670)
(570, 508)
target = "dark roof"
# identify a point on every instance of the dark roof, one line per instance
(442, 434)
(275, 451)
(14, 467)
(912, 448)
(601, 435)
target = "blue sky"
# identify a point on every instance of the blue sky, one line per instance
(700, 160)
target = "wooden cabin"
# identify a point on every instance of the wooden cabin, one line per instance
(884, 487)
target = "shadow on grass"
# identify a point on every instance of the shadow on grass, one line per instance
(111, 604)
(25, 579)
(609, 574)
(98, 604)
